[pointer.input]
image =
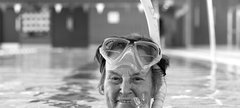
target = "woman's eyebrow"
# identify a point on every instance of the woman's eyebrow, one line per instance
(114, 73)
(136, 74)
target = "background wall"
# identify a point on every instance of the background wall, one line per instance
(200, 31)
(200, 23)
(221, 8)
(131, 20)
(1, 26)
(9, 32)
(64, 37)
(91, 27)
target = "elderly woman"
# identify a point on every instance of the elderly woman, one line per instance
(132, 72)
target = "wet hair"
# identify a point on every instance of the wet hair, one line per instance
(156, 75)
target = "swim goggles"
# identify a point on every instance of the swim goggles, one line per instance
(145, 53)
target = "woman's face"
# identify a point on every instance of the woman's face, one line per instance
(122, 84)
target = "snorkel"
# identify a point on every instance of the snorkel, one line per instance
(154, 33)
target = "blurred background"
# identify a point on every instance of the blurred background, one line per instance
(47, 50)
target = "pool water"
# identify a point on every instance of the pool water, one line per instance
(68, 78)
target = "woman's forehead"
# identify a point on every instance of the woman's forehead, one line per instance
(127, 71)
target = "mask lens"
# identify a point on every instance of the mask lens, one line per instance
(114, 47)
(147, 52)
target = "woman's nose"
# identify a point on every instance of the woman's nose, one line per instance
(126, 88)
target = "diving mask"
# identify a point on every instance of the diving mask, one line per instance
(139, 54)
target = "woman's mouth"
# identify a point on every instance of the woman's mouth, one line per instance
(124, 100)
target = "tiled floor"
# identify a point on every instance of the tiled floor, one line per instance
(68, 78)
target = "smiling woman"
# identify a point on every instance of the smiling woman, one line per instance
(131, 73)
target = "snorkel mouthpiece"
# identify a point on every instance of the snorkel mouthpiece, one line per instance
(139, 102)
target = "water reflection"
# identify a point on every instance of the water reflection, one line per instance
(71, 95)
(213, 76)
(193, 83)
(75, 93)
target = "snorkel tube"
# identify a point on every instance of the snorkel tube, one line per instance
(152, 21)
(153, 27)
